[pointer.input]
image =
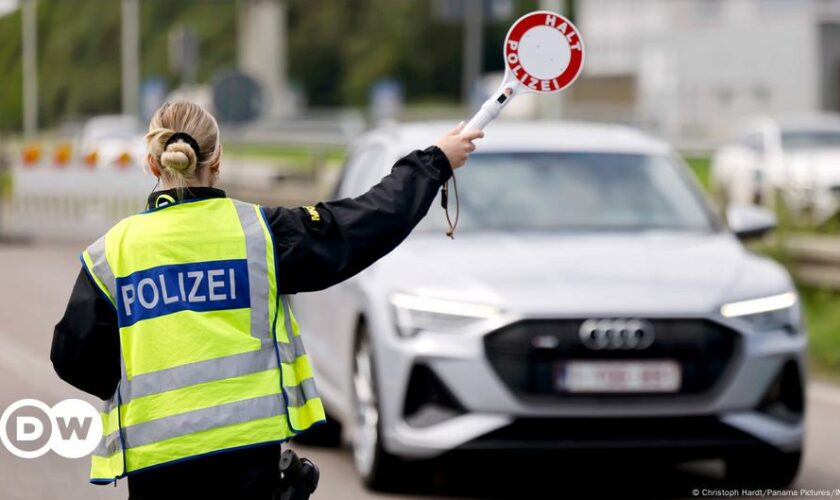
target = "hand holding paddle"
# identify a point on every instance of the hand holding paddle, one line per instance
(457, 144)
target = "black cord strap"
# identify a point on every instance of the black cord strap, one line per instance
(444, 201)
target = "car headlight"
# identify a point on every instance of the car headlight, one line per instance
(413, 313)
(765, 313)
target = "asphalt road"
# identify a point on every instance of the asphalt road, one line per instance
(35, 282)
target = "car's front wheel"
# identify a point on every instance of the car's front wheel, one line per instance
(766, 468)
(378, 468)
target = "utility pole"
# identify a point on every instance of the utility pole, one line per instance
(473, 48)
(130, 57)
(262, 50)
(29, 31)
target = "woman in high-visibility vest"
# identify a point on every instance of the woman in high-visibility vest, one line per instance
(178, 318)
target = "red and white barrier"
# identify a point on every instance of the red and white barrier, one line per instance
(71, 201)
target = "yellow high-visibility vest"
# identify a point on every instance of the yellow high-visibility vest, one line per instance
(211, 355)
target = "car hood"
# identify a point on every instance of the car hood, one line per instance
(639, 273)
(820, 168)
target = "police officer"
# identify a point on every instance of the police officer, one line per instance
(179, 320)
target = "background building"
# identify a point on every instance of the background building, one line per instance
(689, 68)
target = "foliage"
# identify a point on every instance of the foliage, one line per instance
(822, 316)
(11, 110)
(337, 49)
(5, 185)
(79, 53)
(701, 166)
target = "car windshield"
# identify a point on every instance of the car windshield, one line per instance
(575, 192)
(810, 139)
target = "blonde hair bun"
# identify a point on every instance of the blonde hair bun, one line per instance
(183, 140)
(179, 157)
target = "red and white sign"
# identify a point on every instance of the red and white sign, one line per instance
(544, 52)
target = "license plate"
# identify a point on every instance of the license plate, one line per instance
(619, 376)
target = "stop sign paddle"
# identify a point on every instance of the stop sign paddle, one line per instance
(543, 53)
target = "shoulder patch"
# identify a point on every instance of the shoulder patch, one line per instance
(313, 213)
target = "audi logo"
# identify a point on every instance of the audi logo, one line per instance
(616, 334)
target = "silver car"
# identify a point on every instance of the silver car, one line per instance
(790, 164)
(591, 300)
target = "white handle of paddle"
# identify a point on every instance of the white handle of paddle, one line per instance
(490, 109)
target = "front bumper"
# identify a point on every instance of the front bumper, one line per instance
(693, 437)
(475, 405)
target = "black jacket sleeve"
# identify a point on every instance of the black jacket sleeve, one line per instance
(320, 246)
(86, 343)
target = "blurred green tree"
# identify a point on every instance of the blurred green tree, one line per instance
(337, 49)
(11, 82)
(79, 53)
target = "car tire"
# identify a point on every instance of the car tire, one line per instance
(378, 469)
(771, 469)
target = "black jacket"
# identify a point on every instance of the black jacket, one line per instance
(313, 252)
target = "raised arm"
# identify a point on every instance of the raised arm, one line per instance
(323, 245)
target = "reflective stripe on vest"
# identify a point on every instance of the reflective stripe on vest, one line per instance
(206, 364)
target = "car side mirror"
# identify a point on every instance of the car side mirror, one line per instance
(750, 221)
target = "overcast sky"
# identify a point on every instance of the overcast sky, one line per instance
(7, 5)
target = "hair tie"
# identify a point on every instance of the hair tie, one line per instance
(183, 136)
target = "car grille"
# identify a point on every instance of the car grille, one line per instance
(702, 348)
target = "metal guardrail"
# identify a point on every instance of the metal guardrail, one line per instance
(815, 259)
